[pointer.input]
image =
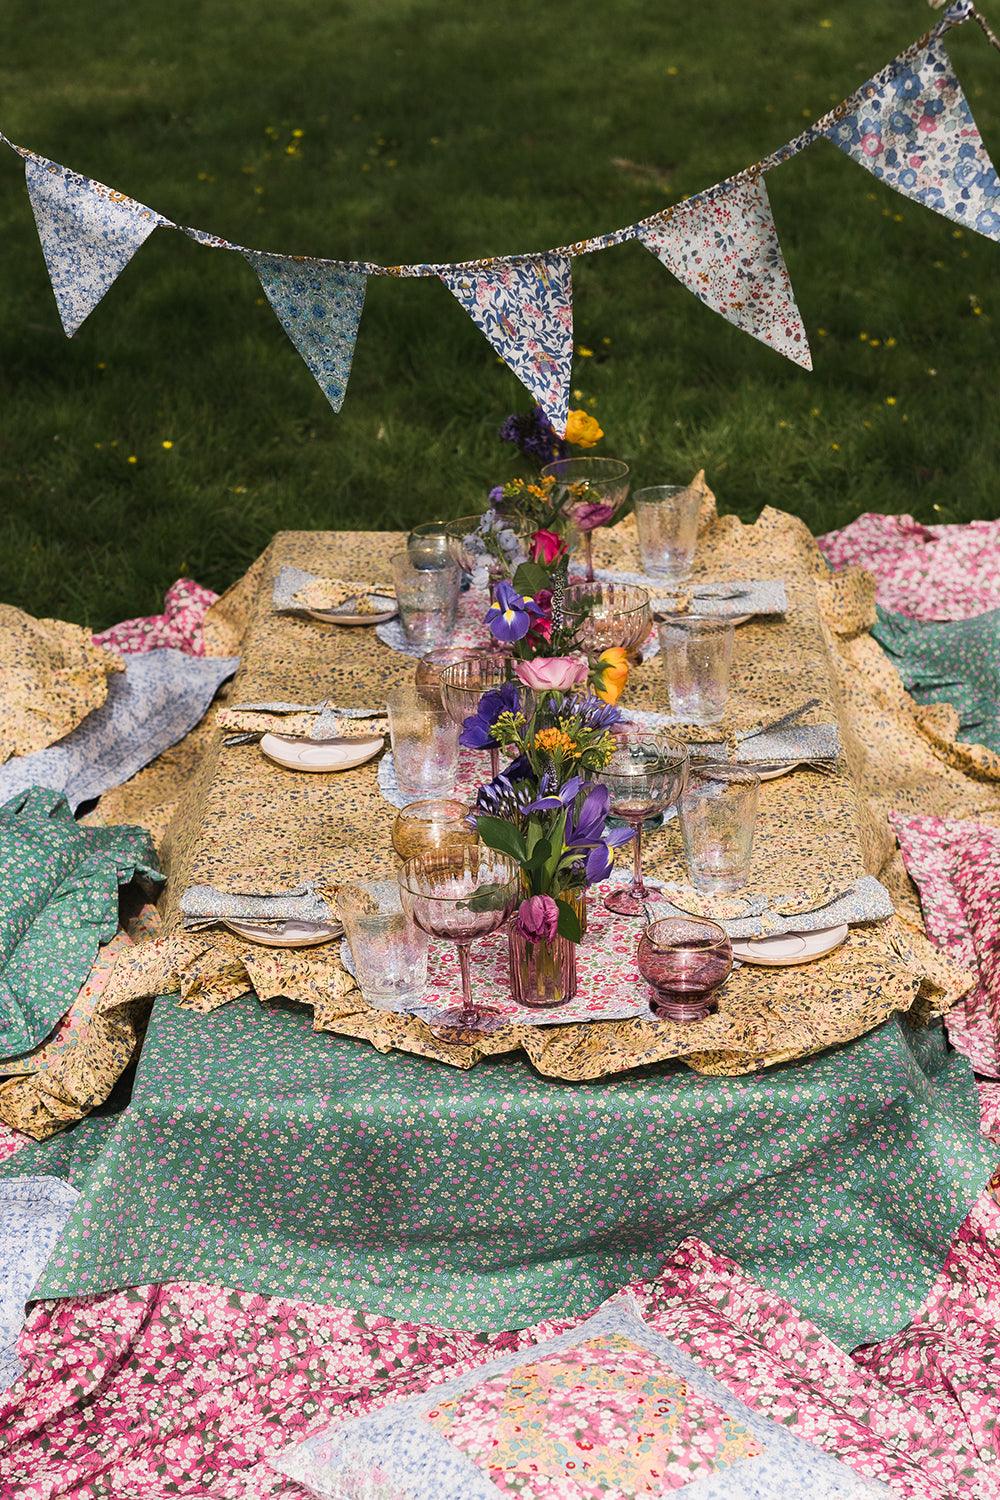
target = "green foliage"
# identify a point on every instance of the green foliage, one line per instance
(435, 131)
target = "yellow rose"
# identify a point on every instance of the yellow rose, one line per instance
(583, 430)
(611, 674)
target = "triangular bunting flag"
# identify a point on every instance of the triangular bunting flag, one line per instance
(319, 305)
(912, 126)
(724, 248)
(525, 309)
(89, 233)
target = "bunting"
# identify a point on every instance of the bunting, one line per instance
(912, 127)
(525, 309)
(724, 248)
(319, 305)
(88, 233)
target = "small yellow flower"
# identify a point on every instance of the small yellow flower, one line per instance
(612, 670)
(238, 489)
(835, 447)
(814, 411)
(874, 343)
(577, 395)
(583, 430)
(807, 114)
(554, 742)
(167, 443)
(291, 149)
(931, 370)
(672, 71)
(956, 234)
(863, 336)
(435, 140)
(102, 364)
(890, 343)
(605, 340)
(866, 423)
(897, 218)
(298, 134)
(132, 459)
(890, 400)
(782, 422)
(826, 24)
(366, 166)
(584, 352)
(98, 445)
(821, 332)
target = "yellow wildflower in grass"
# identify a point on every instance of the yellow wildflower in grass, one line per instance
(863, 336)
(826, 24)
(584, 352)
(821, 332)
(605, 341)
(874, 343)
(167, 443)
(132, 459)
(931, 370)
(298, 134)
(782, 422)
(890, 343)
(554, 742)
(672, 71)
(583, 430)
(890, 400)
(835, 447)
(102, 364)
(814, 411)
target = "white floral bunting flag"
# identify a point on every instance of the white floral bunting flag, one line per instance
(724, 248)
(88, 232)
(912, 127)
(319, 305)
(525, 309)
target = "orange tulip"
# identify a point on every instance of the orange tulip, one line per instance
(611, 674)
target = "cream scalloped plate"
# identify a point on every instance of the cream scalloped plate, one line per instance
(790, 948)
(286, 934)
(382, 607)
(320, 755)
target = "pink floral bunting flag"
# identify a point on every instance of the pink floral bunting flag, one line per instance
(525, 309)
(88, 233)
(724, 248)
(912, 127)
(319, 305)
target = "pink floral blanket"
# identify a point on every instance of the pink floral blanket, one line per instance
(927, 572)
(185, 605)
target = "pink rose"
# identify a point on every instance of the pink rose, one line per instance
(546, 546)
(552, 673)
(591, 514)
(537, 917)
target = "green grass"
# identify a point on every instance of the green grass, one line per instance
(442, 129)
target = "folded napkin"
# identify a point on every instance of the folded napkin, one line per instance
(315, 721)
(205, 906)
(818, 742)
(296, 591)
(866, 900)
(757, 596)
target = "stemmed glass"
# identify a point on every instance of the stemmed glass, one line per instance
(463, 683)
(685, 960)
(460, 897)
(590, 491)
(609, 614)
(645, 775)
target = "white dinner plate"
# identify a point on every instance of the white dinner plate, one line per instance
(286, 934)
(383, 607)
(790, 948)
(320, 755)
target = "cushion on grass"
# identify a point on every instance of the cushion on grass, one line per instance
(955, 865)
(611, 1408)
(58, 903)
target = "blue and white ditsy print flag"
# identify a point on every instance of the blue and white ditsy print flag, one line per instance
(724, 248)
(911, 126)
(88, 232)
(319, 305)
(525, 309)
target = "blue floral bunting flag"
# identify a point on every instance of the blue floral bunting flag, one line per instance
(525, 309)
(88, 233)
(319, 305)
(724, 247)
(911, 126)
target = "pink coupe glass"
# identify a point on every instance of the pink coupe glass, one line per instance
(685, 960)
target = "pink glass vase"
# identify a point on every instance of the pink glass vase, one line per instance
(543, 972)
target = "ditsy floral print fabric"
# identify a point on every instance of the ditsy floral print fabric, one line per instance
(88, 232)
(33, 1211)
(956, 867)
(258, 1153)
(185, 605)
(319, 305)
(956, 662)
(915, 131)
(927, 572)
(725, 249)
(58, 901)
(525, 309)
(53, 676)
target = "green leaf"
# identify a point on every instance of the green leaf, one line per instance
(497, 833)
(539, 854)
(569, 923)
(530, 577)
(488, 898)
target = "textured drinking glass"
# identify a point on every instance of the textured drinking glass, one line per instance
(644, 776)
(609, 614)
(464, 682)
(462, 897)
(685, 960)
(427, 598)
(666, 518)
(427, 675)
(439, 825)
(589, 491)
(718, 812)
(429, 544)
(697, 654)
(388, 949)
(424, 745)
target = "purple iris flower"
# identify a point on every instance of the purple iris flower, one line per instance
(586, 830)
(564, 797)
(477, 729)
(509, 616)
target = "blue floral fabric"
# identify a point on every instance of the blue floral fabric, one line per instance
(319, 305)
(949, 661)
(914, 130)
(88, 232)
(33, 1211)
(525, 309)
(58, 902)
(159, 697)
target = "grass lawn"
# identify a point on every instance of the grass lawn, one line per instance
(443, 129)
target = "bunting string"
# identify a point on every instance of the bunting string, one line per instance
(909, 124)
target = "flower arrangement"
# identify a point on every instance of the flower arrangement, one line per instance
(544, 634)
